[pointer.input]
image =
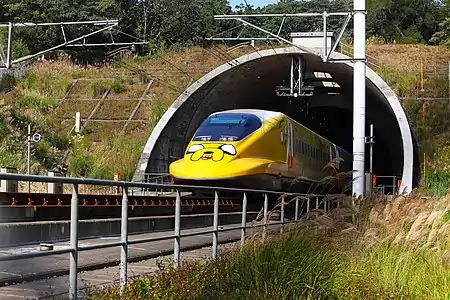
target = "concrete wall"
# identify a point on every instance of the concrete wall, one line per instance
(13, 234)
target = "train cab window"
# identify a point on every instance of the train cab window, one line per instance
(227, 127)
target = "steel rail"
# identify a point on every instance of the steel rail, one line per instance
(90, 181)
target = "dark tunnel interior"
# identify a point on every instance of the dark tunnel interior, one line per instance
(329, 111)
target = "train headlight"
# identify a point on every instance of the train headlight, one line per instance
(229, 149)
(195, 148)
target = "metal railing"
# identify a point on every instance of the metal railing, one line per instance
(390, 184)
(75, 249)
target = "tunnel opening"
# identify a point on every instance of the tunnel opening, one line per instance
(252, 84)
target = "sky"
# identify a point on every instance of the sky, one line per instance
(255, 3)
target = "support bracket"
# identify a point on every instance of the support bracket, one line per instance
(296, 87)
(107, 25)
(326, 54)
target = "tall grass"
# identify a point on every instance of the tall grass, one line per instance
(116, 155)
(270, 270)
(396, 250)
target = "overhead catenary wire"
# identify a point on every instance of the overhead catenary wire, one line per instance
(224, 54)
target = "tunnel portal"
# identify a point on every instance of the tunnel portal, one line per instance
(251, 82)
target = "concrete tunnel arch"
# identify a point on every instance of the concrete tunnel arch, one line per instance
(249, 82)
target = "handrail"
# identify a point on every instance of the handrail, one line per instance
(91, 181)
(124, 242)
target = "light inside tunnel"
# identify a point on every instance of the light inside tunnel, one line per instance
(252, 84)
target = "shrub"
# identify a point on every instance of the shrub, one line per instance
(7, 82)
(118, 85)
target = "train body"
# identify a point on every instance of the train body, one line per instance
(257, 149)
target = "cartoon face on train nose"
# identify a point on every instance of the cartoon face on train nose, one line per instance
(210, 152)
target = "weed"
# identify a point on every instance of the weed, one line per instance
(7, 82)
(118, 85)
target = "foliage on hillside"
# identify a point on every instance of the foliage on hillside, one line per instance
(181, 22)
(398, 250)
(99, 150)
(425, 98)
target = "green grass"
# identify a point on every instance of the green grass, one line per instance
(115, 155)
(332, 265)
(273, 270)
(437, 183)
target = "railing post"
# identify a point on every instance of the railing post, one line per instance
(296, 209)
(265, 221)
(282, 215)
(324, 206)
(244, 220)
(73, 268)
(317, 202)
(215, 226)
(176, 246)
(308, 205)
(124, 240)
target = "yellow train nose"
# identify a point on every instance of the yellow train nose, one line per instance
(208, 169)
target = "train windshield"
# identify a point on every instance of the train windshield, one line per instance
(227, 127)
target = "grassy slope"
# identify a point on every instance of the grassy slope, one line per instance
(100, 151)
(401, 68)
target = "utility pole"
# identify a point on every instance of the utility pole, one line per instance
(29, 154)
(9, 50)
(359, 97)
(371, 140)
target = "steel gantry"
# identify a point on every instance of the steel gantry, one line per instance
(297, 87)
(6, 61)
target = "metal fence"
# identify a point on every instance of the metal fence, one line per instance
(176, 236)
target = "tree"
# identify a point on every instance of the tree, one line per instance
(411, 21)
(442, 37)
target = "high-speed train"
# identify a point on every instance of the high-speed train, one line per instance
(249, 148)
